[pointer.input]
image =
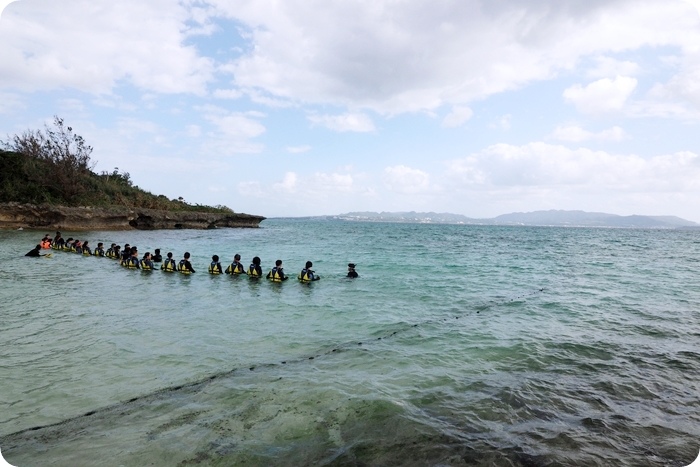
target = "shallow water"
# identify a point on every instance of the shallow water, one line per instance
(458, 345)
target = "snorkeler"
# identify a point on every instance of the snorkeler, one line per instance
(87, 251)
(132, 261)
(307, 274)
(169, 264)
(100, 250)
(276, 274)
(254, 270)
(215, 265)
(156, 257)
(110, 253)
(46, 242)
(146, 263)
(126, 252)
(185, 266)
(235, 267)
(35, 251)
(58, 242)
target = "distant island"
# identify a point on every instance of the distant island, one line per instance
(47, 182)
(555, 218)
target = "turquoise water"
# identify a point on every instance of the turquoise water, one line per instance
(458, 345)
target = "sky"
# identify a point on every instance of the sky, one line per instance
(321, 107)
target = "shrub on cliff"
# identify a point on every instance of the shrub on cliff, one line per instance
(53, 166)
(57, 159)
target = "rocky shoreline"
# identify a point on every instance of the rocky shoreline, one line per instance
(42, 217)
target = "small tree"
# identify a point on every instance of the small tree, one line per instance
(67, 155)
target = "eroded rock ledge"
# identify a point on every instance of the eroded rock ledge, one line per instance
(31, 216)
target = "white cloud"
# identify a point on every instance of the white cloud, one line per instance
(324, 183)
(402, 179)
(608, 66)
(251, 189)
(231, 132)
(135, 128)
(72, 106)
(4, 4)
(318, 190)
(355, 122)
(576, 134)
(288, 184)
(94, 46)
(193, 131)
(457, 117)
(366, 55)
(114, 102)
(604, 95)
(298, 149)
(419, 56)
(695, 3)
(313, 193)
(317, 185)
(227, 94)
(505, 178)
(502, 123)
(582, 170)
(11, 103)
(679, 97)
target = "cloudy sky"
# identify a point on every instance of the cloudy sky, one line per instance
(310, 107)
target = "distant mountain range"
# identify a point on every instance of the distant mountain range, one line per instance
(536, 218)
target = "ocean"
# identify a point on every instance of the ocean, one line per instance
(457, 345)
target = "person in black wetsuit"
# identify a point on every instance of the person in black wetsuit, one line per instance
(156, 257)
(235, 267)
(58, 242)
(110, 253)
(132, 261)
(146, 262)
(185, 266)
(351, 270)
(215, 266)
(100, 250)
(86, 250)
(254, 270)
(169, 264)
(307, 274)
(35, 251)
(276, 274)
(125, 254)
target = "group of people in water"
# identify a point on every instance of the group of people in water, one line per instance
(129, 258)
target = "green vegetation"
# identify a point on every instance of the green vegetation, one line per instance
(54, 167)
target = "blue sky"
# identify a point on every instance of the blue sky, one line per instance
(296, 108)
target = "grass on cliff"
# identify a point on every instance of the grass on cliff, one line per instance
(54, 167)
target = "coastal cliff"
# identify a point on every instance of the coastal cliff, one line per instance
(44, 216)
